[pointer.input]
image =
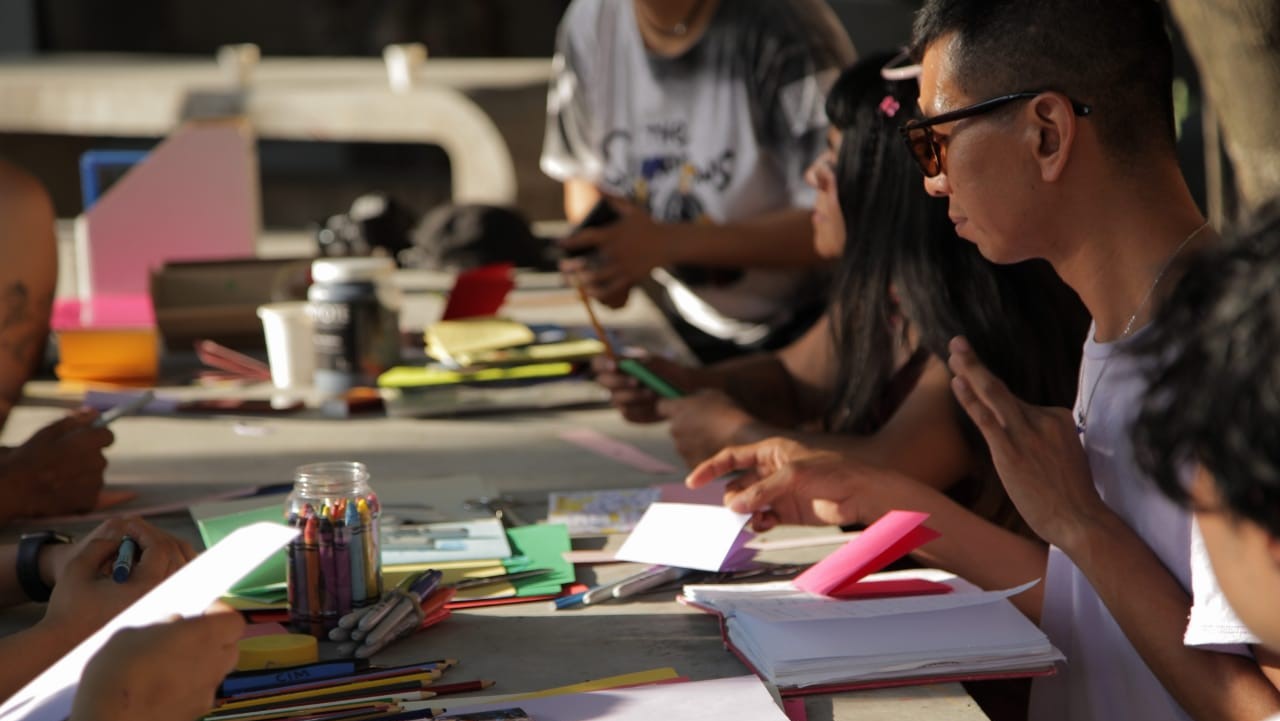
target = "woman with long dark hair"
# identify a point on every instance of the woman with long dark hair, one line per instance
(872, 381)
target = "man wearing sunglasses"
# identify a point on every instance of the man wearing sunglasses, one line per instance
(1048, 126)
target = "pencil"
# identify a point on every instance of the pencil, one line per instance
(387, 674)
(595, 322)
(409, 682)
(460, 687)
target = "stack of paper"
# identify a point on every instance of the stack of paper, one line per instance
(798, 639)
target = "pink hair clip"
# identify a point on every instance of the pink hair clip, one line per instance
(890, 106)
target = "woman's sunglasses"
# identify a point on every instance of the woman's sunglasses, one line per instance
(931, 155)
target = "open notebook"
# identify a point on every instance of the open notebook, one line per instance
(805, 643)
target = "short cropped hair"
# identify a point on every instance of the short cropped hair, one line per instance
(1214, 374)
(1114, 55)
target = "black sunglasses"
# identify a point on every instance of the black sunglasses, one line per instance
(930, 155)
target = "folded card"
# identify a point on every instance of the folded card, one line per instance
(685, 535)
(895, 535)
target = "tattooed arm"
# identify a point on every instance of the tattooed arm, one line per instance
(28, 249)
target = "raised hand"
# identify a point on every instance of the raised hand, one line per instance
(1035, 449)
(617, 256)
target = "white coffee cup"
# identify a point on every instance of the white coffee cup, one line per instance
(288, 328)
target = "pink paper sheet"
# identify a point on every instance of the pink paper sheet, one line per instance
(620, 451)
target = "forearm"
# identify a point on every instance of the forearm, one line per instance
(579, 197)
(926, 419)
(985, 554)
(1151, 607)
(782, 238)
(28, 653)
(760, 384)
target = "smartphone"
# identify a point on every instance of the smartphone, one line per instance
(651, 380)
(601, 214)
(132, 405)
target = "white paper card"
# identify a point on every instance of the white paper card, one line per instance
(186, 593)
(685, 535)
(742, 698)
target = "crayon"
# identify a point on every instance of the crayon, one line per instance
(247, 681)
(342, 560)
(311, 555)
(328, 572)
(355, 549)
(372, 548)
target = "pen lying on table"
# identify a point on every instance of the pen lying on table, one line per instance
(638, 583)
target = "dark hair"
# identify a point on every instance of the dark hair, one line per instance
(1214, 377)
(1114, 55)
(1022, 320)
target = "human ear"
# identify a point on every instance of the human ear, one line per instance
(1054, 127)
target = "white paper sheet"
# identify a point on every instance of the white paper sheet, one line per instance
(743, 698)
(186, 593)
(684, 535)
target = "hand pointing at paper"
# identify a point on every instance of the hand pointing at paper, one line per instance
(784, 481)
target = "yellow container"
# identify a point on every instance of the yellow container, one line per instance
(119, 355)
(276, 651)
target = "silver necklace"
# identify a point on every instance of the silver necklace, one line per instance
(681, 28)
(1082, 415)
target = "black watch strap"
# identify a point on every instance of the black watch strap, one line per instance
(29, 563)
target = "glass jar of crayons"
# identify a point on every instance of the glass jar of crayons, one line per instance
(335, 564)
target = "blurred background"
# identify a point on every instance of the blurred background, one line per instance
(67, 64)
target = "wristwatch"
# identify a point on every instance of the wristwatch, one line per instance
(29, 547)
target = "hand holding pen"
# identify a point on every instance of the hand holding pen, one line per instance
(85, 592)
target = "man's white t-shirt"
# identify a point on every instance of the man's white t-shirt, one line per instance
(1104, 677)
(721, 133)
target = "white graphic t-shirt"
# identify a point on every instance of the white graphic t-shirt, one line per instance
(721, 133)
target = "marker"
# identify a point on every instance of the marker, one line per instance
(124, 560)
(651, 380)
(130, 406)
(652, 579)
(573, 599)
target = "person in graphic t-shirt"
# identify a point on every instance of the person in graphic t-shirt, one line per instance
(697, 120)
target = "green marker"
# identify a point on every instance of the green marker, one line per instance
(651, 380)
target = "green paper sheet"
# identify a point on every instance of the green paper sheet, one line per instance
(268, 579)
(540, 546)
